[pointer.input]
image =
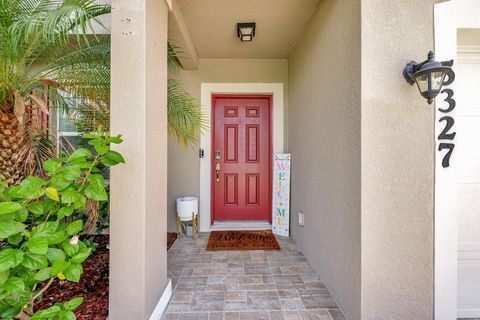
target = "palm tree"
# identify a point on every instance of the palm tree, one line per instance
(49, 52)
(33, 35)
(91, 107)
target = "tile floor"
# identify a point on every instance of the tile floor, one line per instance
(245, 285)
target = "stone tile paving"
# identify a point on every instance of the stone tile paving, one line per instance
(245, 285)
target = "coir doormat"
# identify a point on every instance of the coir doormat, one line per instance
(242, 240)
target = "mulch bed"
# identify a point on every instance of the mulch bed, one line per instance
(171, 237)
(93, 285)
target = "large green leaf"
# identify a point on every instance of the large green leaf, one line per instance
(4, 276)
(79, 153)
(70, 196)
(64, 212)
(9, 228)
(95, 193)
(112, 158)
(74, 227)
(81, 256)
(42, 274)
(70, 173)
(59, 182)
(37, 245)
(31, 187)
(55, 254)
(97, 181)
(9, 313)
(9, 207)
(34, 261)
(48, 313)
(73, 304)
(45, 229)
(33, 182)
(52, 166)
(35, 207)
(73, 272)
(10, 258)
(14, 284)
(57, 237)
(15, 239)
(114, 139)
(21, 215)
(70, 249)
(59, 266)
(66, 315)
(18, 298)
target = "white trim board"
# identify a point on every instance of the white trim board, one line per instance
(449, 17)
(163, 302)
(207, 89)
(240, 225)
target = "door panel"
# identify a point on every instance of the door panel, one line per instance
(467, 160)
(241, 149)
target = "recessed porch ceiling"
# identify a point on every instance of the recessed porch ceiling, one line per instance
(212, 26)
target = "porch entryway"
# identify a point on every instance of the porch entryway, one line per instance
(334, 71)
(260, 285)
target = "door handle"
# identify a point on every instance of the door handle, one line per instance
(217, 171)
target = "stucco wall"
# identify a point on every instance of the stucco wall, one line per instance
(183, 162)
(324, 139)
(138, 220)
(397, 163)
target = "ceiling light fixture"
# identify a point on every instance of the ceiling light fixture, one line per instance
(246, 31)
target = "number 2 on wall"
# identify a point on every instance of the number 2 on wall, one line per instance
(444, 135)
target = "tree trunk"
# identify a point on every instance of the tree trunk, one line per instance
(12, 138)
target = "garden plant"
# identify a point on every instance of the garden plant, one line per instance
(41, 222)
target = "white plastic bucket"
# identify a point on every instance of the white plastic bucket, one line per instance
(186, 206)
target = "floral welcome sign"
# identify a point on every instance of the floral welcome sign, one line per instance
(281, 194)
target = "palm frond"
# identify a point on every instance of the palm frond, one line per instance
(185, 118)
(37, 149)
(173, 62)
(56, 20)
(83, 71)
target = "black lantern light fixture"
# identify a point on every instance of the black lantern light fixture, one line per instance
(429, 75)
(246, 31)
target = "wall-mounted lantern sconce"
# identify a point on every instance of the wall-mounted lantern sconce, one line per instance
(246, 31)
(429, 75)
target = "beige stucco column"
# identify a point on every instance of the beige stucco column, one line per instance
(138, 262)
(397, 163)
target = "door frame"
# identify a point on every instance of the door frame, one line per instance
(449, 17)
(276, 90)
(270, 143)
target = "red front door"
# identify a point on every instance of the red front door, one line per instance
(241, 158)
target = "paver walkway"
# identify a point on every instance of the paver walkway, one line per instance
(245, 285)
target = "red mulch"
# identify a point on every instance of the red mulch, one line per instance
(93, 285)
(171, 237)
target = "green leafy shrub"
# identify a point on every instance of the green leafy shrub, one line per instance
(37, 244)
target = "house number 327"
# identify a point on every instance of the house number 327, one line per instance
(449, 121)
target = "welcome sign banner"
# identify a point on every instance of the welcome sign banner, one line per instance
(281, 194)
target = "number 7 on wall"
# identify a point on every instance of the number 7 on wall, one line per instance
(446, 158)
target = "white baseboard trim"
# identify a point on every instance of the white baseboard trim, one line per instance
(240, 225)
(163, 302)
